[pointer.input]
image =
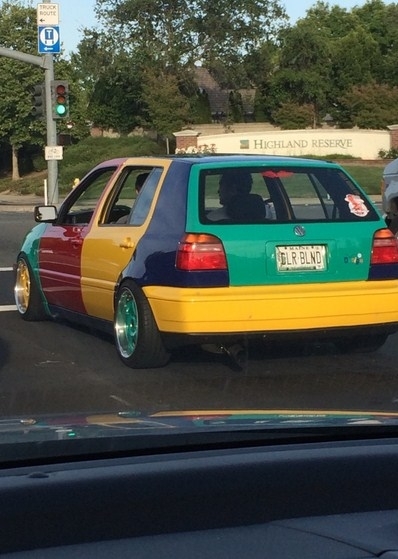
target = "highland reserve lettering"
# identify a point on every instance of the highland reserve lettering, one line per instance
(302, 144)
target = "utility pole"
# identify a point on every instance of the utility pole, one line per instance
(52, 164)
(46, 62)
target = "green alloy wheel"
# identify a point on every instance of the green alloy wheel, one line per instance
(137, 337)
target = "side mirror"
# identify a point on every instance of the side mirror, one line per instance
(45, 214)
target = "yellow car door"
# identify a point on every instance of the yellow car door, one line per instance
(121, 220)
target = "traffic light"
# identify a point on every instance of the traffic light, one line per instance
(39, 101)
(60, 99)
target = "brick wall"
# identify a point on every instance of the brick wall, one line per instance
(394, 135)
(186, 139)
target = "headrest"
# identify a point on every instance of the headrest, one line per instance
(246, 208)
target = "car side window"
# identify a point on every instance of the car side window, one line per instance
(130, 183)
(79, 207)
(143, 202)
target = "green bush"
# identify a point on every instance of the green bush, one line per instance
(392, 153)
(39, 163)
(80, 158)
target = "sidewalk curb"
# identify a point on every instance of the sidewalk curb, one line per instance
(16, 203)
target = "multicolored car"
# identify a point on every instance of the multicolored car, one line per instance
(213, 249)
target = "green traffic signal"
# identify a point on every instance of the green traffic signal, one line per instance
(61, 110)
(60, 99)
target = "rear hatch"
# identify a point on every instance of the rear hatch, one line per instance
(317, 224)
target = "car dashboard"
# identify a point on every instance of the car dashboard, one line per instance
(336, 499)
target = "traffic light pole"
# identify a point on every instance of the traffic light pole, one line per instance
(47, 63)
(52, 164)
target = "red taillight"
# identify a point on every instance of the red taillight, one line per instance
(200, 252)
(385, 247)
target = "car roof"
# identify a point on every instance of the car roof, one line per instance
(195, 159)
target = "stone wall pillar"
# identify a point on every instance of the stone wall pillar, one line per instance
(186, 139)
(393, 135)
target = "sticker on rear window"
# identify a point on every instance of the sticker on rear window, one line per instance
(277, 175)
(356, 205)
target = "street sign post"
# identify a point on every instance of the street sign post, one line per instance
(49, 43)
(49, 39)
(47, 14)
(53, 153)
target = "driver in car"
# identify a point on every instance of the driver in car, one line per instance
(233, 183)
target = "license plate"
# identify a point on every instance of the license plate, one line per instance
(301, 257)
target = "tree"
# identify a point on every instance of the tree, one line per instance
(172, 35)
(331, 53)
(260, 65)
(168, 109)
(303, 76)
(333, 21)
(355, 59)
(17, 79)
(111, 79)
(360, 41)
(291, 116)
(200, 111)
(176, 32)
(381, 21)
(371, 106)
(115, 101)
(18, 127)
(235, 107)
(247, 45)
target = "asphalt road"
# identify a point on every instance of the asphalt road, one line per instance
(50, 367)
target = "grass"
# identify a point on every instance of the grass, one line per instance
(80, 158)
(367, 176)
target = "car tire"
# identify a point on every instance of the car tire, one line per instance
(138, 340)
(361, 344)
(26, 292)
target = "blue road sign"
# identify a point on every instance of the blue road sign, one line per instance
(48, 39)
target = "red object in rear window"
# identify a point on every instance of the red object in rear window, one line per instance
(200, 252)
(278, 174)
(385, 247)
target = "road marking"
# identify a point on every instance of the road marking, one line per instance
(120, 400)
(6, 269)
(5, 308)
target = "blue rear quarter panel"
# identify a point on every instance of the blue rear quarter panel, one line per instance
(154, 260)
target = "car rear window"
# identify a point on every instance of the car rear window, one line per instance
(281, 194)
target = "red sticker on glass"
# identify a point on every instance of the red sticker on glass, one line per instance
(277, 174)
(356, 205)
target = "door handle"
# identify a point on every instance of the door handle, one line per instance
(77, 242)
(127, 243)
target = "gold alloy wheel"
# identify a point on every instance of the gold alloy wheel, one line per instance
(22, 287)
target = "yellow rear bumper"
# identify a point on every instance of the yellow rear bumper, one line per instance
(273, 308)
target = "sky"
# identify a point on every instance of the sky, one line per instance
(76, 14)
